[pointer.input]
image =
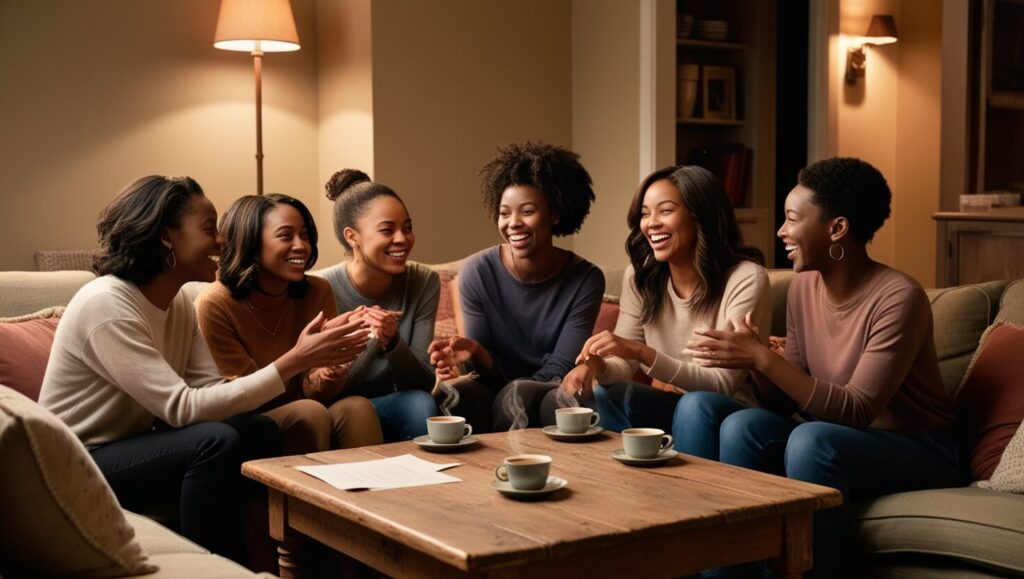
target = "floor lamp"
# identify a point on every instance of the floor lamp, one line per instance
(257, 26)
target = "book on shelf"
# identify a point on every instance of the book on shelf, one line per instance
(731, 164)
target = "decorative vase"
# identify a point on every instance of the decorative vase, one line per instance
(686, 91)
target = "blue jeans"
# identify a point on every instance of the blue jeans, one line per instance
(859, 463)
(189, 473)
(630, 404)
(697, 422)
(403, 415)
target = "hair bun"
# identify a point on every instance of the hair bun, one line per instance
(342, 180)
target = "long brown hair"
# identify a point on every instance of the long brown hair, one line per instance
(719, 246)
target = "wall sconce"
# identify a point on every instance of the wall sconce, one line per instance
(257, 26)
(882, 30)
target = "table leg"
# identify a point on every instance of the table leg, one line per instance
(797, 546)
(289, 542)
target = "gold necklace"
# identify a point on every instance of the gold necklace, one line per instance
(256, 316)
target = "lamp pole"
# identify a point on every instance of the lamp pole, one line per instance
(257, 64)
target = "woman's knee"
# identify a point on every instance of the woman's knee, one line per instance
(703, 407)
(811, 448)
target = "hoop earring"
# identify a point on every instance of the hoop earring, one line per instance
(171, 260)
(842, 252)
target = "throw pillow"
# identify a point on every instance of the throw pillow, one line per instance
(59, 515)
(444, 325)
(1009, 474)
(25, 349)
(990, 401)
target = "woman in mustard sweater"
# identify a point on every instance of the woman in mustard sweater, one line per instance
(257, 309)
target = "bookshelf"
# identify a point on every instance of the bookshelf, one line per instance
(731, 127)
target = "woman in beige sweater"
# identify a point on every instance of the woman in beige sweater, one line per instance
(132, 377)
(257, 309)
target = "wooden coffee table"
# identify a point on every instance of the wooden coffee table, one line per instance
(612, 520)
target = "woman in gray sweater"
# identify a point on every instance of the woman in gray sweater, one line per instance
(398, 300)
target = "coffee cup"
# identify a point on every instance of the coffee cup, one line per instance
(645, 442)
(525, 472)
(448, 429)
(576, 420)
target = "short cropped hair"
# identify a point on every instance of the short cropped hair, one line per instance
(850, 188)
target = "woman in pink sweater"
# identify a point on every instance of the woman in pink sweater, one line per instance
(859, 368)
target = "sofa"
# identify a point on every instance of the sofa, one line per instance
(962, 532)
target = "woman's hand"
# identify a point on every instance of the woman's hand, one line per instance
(382, 323)
(737, 349)
(777, 344)
(446, 355)
(604, 344)
(317, 346)
(580, 381)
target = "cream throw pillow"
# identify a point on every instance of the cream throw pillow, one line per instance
(1009, 474)
(59, 515)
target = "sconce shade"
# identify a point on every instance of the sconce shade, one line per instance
(882, 30)
(256, 26)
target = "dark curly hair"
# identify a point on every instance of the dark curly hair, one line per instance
(719, 245)
(352, 190)
(242, 228)
(555, 171)
(851, 188)
(130, 227)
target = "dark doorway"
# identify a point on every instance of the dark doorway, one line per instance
(791, 105)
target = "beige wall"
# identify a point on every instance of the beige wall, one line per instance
(345, 70)
(453, 79)
(891, 118)
(606, 119)
(90, 103)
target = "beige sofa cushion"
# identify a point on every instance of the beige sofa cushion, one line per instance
(971, 524)
(24, 292)
(961, 314)
(59, 515)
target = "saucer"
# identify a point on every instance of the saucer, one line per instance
(556, 434)
(425, 443)
(504, 487)
(666, 455)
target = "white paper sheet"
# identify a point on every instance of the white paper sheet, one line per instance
(386, 473)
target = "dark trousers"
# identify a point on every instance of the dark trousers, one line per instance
(193, 474)
(526, 403)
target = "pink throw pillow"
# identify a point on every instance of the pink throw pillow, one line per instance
(990, 402)
(25, 349)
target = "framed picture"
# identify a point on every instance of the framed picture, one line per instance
(719, 91)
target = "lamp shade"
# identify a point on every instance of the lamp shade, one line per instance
(256, 26)
(882, 30)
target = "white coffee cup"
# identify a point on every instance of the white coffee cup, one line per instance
(576, 420)
(645, 442)
(525, 472)
(448, 429)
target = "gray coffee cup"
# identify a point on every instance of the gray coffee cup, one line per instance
(525, 472)
(645, 442)
(448, 429)
(576, 420)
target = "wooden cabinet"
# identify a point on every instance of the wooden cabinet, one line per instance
(979, 247)
(731, 127)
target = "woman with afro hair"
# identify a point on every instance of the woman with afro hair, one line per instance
(859, 365)
(527, 306)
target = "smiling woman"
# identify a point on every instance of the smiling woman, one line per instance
(395, 297)
(688, 270)
(133, 378)
(258, 309)
(528, 305)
